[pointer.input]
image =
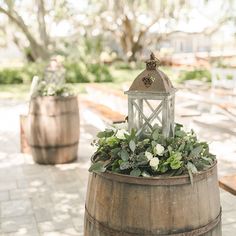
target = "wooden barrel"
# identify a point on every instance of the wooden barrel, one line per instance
(119, 205)
(53, 129)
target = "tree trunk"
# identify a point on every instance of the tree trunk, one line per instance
(38, 51)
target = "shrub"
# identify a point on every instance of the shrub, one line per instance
(11, 76)
(80, 72)
(99, 72)
(76, 72)
(199, 74)
(32, 69)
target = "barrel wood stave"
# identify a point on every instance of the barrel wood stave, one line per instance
(53, 129)
(116, 207)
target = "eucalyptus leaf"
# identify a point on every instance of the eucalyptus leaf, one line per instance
(101, 134)
(124, 155)
(97, 167)
(178, 126)
(170, 149)
(180, 133)
(192, 167)
(135, 172)
(145, 174)
(209, 160)
(125, 165)
(132, 134)
(132, 145)
(195, 152)
(181, 147)
(115, 151)
(155, 134)
(190, 176)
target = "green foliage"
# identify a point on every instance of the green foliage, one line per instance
(21, 75)
(44, 89)
(198, 74)
(32, 69)
(81, 72)
(99, 73)
(151, 154)
(76, 72)
(10, 76)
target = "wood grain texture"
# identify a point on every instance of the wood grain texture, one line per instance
(228, 183)
(24, 146)
(53, 129)
(120, 207)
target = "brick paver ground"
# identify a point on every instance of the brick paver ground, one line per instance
(49, 200)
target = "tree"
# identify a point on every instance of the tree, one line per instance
(40, 42)
(137, 24)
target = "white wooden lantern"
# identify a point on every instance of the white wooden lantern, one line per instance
(151, 99)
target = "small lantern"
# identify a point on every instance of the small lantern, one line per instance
(54, 73)
(151, 99)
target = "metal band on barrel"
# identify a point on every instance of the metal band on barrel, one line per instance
(115, 232)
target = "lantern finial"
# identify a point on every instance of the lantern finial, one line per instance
(152, 63)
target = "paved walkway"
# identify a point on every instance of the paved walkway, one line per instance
(49, 200)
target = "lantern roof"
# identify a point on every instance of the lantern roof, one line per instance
(152, 80)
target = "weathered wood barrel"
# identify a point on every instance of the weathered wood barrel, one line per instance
(53, 129)
(119, 205)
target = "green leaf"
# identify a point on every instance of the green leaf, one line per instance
(190, 176)
(97, 167)
(180, 133)
(115, 151)
(132, 145)
(195, 152)
(181, 147)
(132, 133)
(209, 160)
(125, 165)
(154, 143)
(106, 133)
(124, 155)
(170, 149)
(145, 174)
(178, 126)
(111, 141)
(101, 134)
(155, 134)
(135, 172)
(163, 168)
(115, 165)
(176, 164)
(192, 167)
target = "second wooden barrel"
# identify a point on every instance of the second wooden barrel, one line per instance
(119, 205)
(53, 129)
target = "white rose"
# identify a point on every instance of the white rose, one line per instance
(159, 149)
(154, 162)
(149, 155)
(121, 133)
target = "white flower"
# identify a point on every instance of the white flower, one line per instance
(149, 155)
(159, 149)
(121, 133)
(154, 162)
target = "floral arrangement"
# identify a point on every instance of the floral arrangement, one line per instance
(150, 154)
(52, 89)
